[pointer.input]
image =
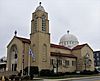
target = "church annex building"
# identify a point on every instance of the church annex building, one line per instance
(67, 56)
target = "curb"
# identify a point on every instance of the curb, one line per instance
(67, 79)
(38, 79)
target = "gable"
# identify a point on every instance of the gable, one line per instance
(79, 47)
(23, 40)
(13, 41)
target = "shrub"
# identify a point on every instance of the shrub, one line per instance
(45, 72)
(87, 72)
(33, 70)
(12, 77)
(19, 74)
(96, 71)
(17, 77)
(25, 77)
(60, 74)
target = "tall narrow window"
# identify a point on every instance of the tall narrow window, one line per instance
(14, 67)
(51, 61)
(73, 63)
(35, 24)
(60, 62)
(34, 53)
(14, 57)
(44, 52)
(66, 62)
(43, 23)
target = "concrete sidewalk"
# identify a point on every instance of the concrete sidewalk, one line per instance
(68, 79)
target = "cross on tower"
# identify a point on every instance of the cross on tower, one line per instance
(40, 3)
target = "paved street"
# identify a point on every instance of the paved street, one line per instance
(96, 78)
(89, 79)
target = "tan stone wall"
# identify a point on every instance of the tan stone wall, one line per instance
(77, 53)
(62, 68)
(26, 54)
(38, 39)
(69, 68)
(23, 49)
(35, 40)
(19, 48)
(60, 50)
(39, 21)
(84, 51)
(80, 58)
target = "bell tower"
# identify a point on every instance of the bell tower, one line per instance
(40, 38)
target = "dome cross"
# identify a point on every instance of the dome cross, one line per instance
(67, 31)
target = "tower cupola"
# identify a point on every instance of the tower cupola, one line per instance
(40, 22)
(40, 8)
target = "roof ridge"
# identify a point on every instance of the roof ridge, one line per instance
(63, 55)
(22, 37)
(25, 40)
(59, 46)
(79, 46)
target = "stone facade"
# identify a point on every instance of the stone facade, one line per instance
(44, 54)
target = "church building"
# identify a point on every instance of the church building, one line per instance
(38, 51)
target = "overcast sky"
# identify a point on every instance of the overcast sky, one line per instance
(81, 17)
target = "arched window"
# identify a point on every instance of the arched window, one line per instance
(34, 52)
(35, 23)
(43, 23)
(44, 52)
(14, 57)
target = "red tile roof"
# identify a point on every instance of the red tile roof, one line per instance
(24, 40)
(59, 46)
(63, 55)
(79, 47)
(62, 47)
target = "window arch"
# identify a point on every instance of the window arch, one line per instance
(34, 52)
(13, 57)
(43, 23)
(35, 23)
(44, 52)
